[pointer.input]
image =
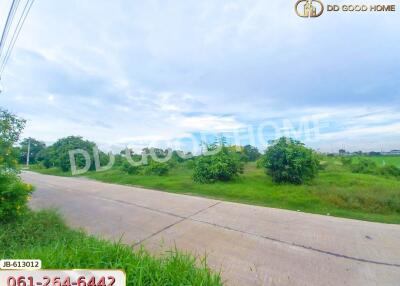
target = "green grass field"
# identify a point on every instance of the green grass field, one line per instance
(382, 160)
(43, 235)
(335, 191)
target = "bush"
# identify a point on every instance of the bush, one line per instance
(365, 166)
(346, 161)
(260, 163)
(222, 166)
(156, 168)
(14, 196)
(290, 161)
(190, 164)
(390, 170)
(129, 168)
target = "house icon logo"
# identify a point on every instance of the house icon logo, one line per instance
(309, 8)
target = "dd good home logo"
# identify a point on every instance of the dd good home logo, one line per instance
(309, 8)
(315, 8)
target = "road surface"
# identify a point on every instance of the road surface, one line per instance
(250, 245)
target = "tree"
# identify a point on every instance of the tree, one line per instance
(35, 148)
(251, 153)
(11, 127)
(64, 145)
(47, 157)
(14, 194)
(288, 160)
(57, 155)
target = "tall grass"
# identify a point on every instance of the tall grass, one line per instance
(43, 235)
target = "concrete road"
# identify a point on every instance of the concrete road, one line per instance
(250, 245)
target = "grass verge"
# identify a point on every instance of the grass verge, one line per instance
(43, 235)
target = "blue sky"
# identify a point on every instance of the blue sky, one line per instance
(129, 72)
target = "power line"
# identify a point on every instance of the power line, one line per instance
(10, 17)
(17, 30)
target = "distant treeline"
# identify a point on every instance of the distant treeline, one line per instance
(57, 154)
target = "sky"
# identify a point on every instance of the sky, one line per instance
(133, 73)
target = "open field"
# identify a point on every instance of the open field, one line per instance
(335, 191)
(60, 247)
(382, 160)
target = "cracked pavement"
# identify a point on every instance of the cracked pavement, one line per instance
(250, 245)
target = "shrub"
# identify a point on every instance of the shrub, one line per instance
(190, 164)
(390, 170)
(290, 161)
(346, 161)
(222, 166)
(129, 168)
(323, 165)
(260, 163)
(14, 195)
(365, 166)
(156, 168)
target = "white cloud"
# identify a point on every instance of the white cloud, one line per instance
(209, 123)
(116, 71)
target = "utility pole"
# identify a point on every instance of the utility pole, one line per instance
(27, 154)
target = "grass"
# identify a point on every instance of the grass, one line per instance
(43, 235)
(382, 160)
(335, 191)
(49, 171)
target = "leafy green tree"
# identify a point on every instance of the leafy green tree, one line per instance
(35, 148)
(180, 156)
(289, 161)
(10, 129)
(14, 194)
(57, 155)
(46, 157)
(251, 153)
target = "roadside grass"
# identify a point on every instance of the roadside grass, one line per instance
(44, 235)
(49, 171)
(335, 191)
